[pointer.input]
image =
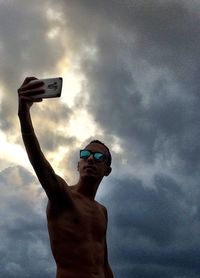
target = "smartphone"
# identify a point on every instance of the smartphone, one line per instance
(52, 87)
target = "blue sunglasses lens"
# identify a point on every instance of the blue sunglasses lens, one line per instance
(97, 155)
(85, 154)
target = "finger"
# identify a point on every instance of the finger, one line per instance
(29, 99)
(32, 92)
(28, 79)
(31, 86)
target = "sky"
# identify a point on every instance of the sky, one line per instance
(131, 79)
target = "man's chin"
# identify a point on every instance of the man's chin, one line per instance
(89, 169)
(89, 176)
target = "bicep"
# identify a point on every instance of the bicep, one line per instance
(54, 186)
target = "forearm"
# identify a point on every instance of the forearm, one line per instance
(36, 157)
(27, 130)
(25, 121)
(31, 143)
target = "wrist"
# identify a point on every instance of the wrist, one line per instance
(23, 111)
(24, 133)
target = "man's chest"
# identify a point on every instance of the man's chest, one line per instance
(85, 221)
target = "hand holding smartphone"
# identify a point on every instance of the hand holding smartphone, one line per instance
(52, 88)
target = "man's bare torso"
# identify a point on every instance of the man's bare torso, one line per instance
(77, 235)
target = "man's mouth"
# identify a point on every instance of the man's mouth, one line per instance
(89, 167)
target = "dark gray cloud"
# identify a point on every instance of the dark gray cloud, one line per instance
(143, 82)
(24, 246)
(153, 232)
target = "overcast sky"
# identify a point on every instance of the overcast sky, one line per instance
(131, 79)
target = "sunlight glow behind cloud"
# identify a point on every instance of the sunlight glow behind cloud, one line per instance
(11, 153)
(72, 85)
(86, 126)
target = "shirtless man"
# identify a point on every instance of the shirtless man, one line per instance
(76, 222)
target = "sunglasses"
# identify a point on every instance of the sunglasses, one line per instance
(98, 156)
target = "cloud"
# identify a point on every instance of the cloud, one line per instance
(23, 232)
(26, 50)
(140, 66)
(143, 82)
(153, 232)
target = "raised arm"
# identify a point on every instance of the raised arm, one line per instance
(54, 186)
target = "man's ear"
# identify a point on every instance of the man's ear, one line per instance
(78, 166)
(108, 171)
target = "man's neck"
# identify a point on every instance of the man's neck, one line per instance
(88, 188)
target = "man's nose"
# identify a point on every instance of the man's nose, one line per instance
(91, 158)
